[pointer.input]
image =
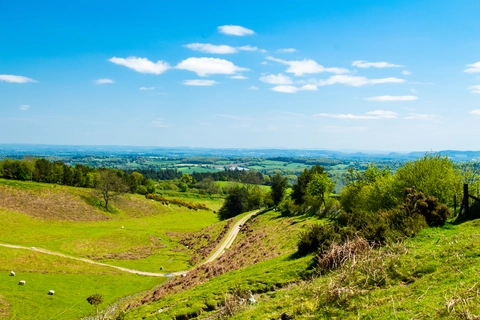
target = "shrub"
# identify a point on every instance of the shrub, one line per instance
(319, 237)
(435, 213)
(337, 256)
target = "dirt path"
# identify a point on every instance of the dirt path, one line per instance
(225, 245)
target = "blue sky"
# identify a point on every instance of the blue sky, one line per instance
(362, 75)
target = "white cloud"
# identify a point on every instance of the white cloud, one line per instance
(211, 48)
(286, 50)
(238, 77)
(142, 65)
(356, 81)
(160, 123)
(276, 79)
(253, 88)
(475, 112)
(263, 51)
(371, 115)
(15, 79)
(207, 66)
(146, 88)
(293, 89)
(422, 117)
(235, 30)
(474, 89)
(406, 72)
(24, 107)
(104, 81)
(473, 68)
(306, 66)
(366, 64)
(264, 62)
(199, 83)
(247, 48)
(392, 98)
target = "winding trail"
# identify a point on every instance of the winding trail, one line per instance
(227, 242)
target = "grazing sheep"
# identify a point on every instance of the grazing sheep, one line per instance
(184, 275)
(21, 283)
(12, 273)
(33, 248)
(51, 292)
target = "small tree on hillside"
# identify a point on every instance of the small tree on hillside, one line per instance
(109, 185)
(279, 185)
(95, 300)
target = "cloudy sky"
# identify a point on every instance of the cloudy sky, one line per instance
(362, 75)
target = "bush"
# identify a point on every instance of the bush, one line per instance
(435, 213)
(319, 237)
(371, 226)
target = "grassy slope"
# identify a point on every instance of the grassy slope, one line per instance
(72, 281)
(261, 260)
(71, 221)
(137, 245)
(434, 275)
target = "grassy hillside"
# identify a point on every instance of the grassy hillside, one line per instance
(433, 275)
(137, 233)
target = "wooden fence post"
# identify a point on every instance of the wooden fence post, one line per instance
(465, 201)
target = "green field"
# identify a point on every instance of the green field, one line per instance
(137, 234)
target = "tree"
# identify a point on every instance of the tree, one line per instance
(279, 185)
(317, 188)
(235, 203)
(299, 189)
(433, 175)
(109, 185)
(95, 300)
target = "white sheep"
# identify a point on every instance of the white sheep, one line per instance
(21, 283)
(12, 273)
(51, 292)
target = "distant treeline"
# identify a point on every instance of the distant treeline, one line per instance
(43, 170)
(58, 172)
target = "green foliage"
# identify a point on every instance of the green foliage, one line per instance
(300, 188)
(372, 190)
(178, 202)
(318, 237)
(279, 185)
(431, 175)
(435, 213)
(317, 189)
(95, 300)
(235, 203)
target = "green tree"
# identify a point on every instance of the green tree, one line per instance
(235, 203)
(95, 300)
(300, 188)
(317, 189)
(433, 175)
(109, 185)
(279, 186)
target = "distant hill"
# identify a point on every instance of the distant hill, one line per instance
(21, 150)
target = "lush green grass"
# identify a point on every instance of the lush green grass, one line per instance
(434, 275)
(73, 281)
(138, 233)
(261, 277)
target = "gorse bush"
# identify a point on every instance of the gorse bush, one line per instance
(435, 213)
(318, 237)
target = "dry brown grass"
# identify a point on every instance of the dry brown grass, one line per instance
(257, 243)
(457, 306)
(205, 241)
(133, 254)
(52, 203)
(4, 308)
(338, 255)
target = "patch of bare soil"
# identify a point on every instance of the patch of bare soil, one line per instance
(135, 254)
(203, 242)
(48, 203)
(4, 308)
